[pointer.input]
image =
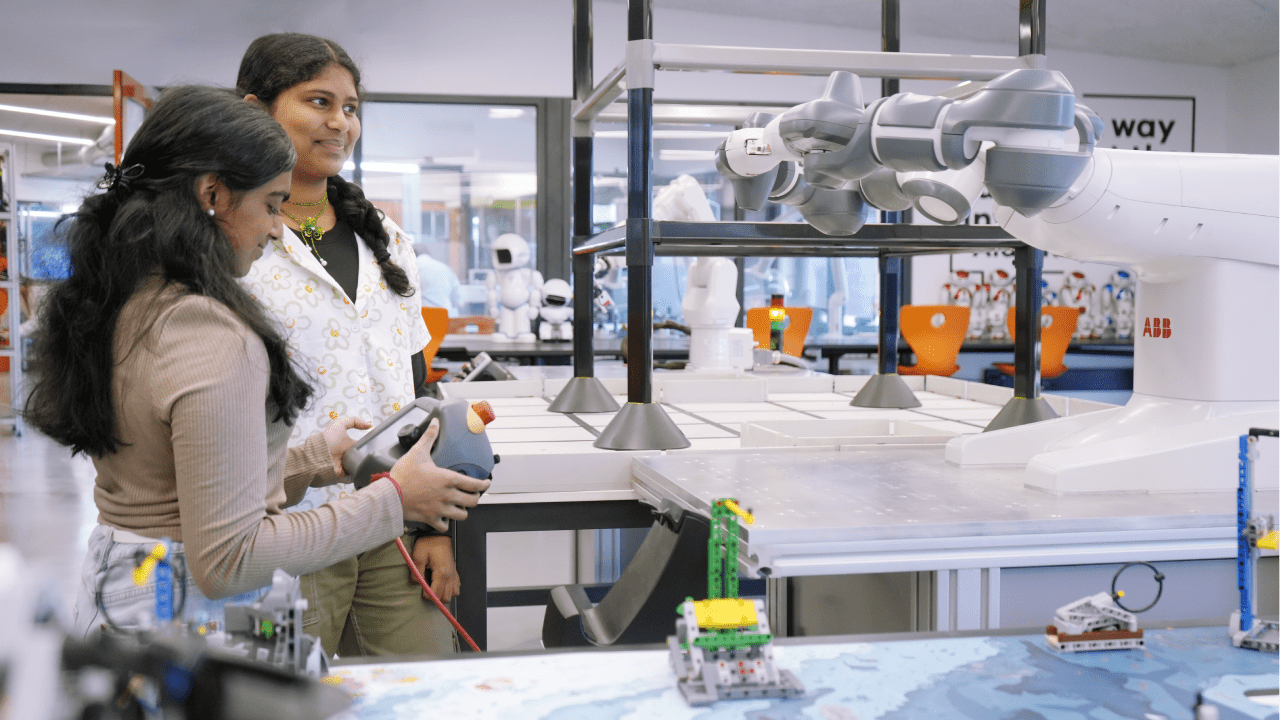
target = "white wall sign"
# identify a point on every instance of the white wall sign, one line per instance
(1146, 122)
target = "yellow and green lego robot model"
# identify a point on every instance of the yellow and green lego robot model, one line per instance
(722, 648)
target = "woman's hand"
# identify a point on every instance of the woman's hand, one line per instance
(339, 442)
(432, 494)
(435, 553)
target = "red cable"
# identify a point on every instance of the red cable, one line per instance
(413, 567)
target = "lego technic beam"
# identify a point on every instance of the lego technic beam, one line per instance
(1252, 532)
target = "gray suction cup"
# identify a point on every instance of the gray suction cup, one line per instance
(1021, 411)
(885, 391)
(584, 395)
(641, 426)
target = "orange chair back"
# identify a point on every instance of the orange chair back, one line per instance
(437, 320)
(935, 333)
(483, 325)
(1055, 337)
(793, 334)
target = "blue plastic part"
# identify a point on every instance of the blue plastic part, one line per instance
(1244, 549)
(178, 682)
(164, 591)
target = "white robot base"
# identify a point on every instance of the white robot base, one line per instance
(1153, 444)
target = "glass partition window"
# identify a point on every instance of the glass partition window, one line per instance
(454, 177)
(808, 282)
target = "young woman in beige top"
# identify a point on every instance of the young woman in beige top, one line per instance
(160, 367)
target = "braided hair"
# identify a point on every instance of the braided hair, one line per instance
(274, 63)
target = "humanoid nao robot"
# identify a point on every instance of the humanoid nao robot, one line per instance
(1198, 230)
(1117, 304)
(999, 302)
(514, 288)
(1077, 292)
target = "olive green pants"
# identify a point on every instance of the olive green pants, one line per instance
(371, 605)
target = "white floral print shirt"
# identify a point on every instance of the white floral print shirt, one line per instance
(358, 350)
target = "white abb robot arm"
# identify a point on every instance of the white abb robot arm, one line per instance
(710, 304)
(1198, 231)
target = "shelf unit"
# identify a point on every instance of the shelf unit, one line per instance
(10, 283)
(642, 424)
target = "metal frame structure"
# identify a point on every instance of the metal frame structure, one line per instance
(11, 283)
(642, 424)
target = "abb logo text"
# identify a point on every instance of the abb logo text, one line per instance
(1156, 328)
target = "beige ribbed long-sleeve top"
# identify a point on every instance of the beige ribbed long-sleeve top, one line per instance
(204, 464)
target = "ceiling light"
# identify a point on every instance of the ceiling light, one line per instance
(505, 113)
(55, 113)
(390, 167)
(675, 154)
(670, 134)
(50, 138)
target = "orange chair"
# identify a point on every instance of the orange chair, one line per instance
(483, 325)
(793, 333)
(935, 333)
(1057, 325)
(4, 305)
(437, 320)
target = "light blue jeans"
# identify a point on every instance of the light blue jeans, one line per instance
(108, 574)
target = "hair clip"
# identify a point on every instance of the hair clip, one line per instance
(119, 177)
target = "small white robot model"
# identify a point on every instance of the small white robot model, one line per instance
(1078, 293)
(1118, 303)
(557, 311)
(514, 288)
(999, 300)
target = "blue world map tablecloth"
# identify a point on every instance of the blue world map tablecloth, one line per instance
(1015, 677)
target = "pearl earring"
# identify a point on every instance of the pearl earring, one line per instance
(210, 211)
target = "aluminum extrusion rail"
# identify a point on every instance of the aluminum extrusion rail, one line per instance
(915, 66)
(801, 239)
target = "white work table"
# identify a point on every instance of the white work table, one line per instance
(839, 508)
(904, 508)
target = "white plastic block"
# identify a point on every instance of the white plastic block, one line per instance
(840, 432)
(945, 385)
(492, 389)
(1080, 406)
(614, 385)
(1059, 403)
(816, 383)
(991, 394)
(849, 383)
(553, 471)
(539, 434)
(915, 382)
(677, 390)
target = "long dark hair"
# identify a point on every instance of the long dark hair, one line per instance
(150, 220)
(275, 63)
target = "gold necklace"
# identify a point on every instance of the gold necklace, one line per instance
(323, 199)
(310, 227)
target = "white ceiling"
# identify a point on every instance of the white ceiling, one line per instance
(1218, 33)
